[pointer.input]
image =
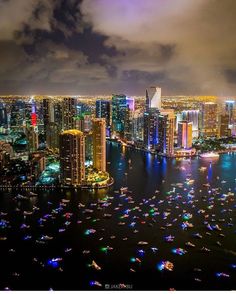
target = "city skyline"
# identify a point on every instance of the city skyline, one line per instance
(80, 47)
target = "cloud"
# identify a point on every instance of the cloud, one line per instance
(199, 35)
(103, 46)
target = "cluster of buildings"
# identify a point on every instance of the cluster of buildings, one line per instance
(76, 130)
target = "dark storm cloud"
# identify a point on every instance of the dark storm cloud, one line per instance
(79, 46)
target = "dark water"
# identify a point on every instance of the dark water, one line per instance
(26, 268)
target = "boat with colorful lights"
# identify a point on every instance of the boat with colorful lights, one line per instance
(209, 155)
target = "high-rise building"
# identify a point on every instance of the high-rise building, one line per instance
(103, 110)
(185, 134)
(99, 144)
(153, 98)
(192, 116)
(230, 110)
(88, 148)
(209, 119)
(48, 113)
(137, 125)
(72, 157)
(33, 139)
(83, 122)
(3, 116)
(166, 129)
(131, 103)
(151, 129)
(52, 135)
(119, 115)
(224, 125)
(69, 113)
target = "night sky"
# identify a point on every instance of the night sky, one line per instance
(118, 46)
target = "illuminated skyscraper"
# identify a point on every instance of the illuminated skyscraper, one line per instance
(230, 110)
(32, 136)
(192, 116)
(185, 134)
(52, 135)
(224, 125)
(166, 128)
(131, 103)
(151, 129)
(137, 125)
(209, 120)
(103, 110)
(3, 116)
(48, 113)
(99, 144)
(119, 115)
(69, 113)
(72, 157)
(153, 98)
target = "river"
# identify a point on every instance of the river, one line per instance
(153, 209)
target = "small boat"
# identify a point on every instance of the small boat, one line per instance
(123, 190)
(209, 155)
(189, 244)
(142, 243)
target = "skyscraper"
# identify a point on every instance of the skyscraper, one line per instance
(153, 98)
(224, 125)
(185, 134)
(48, 113)
(166, 128)
(119, 115)
(192, 116)
(99, 144)
(32, 136)
(69, 113)
(3, 116)
(151, 129)
(230, 110)
(209, 120)
(52, 135)
(103, 110)
(72, 157)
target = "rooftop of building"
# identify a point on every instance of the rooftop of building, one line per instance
(73, 132)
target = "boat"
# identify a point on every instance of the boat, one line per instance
(189, 244)
(209, 155)
(123, 190)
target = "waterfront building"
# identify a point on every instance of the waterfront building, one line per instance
(185, 134)
(72, 157)
(52, 135)
(209, 119)
(166, 129)
(153, 98)
(192, 115)
(119, 115)
(151, 129)
(69, 113)
(99, 144)
(137, 125)
(88, 148)
(225, 131)
(103, 110)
